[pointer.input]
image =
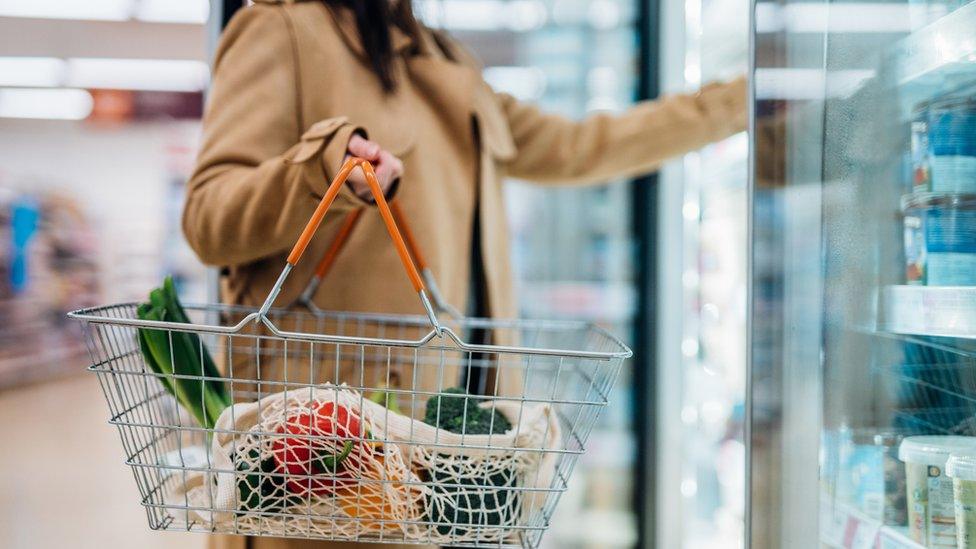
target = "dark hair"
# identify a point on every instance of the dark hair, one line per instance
(374, 19)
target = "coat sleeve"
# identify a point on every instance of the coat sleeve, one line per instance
(554, 149)
(259, 171)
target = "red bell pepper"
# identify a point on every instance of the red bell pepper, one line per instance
(302, 454)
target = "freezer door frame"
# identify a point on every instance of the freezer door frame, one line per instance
(784, 393)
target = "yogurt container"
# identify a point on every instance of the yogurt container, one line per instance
(931, 511)
(951, 142)
(961, 468)
(860, 479)
(940, 239)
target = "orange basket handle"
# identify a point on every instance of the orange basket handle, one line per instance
(408, 236)
(352, 219)
(328, 259)
(435, 293)
(313, 224)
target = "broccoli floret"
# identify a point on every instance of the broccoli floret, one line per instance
(460, 414)
(468, 502)
(488, 500)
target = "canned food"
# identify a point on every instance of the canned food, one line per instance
(951, 142)
(940, 239)
(921, 177)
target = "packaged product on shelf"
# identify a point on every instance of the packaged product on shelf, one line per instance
(829, 461)
(931, 513)
(894, 505)
(861, 481)
(920, 148)
(940, 239)
(951, 129)
(961, 468)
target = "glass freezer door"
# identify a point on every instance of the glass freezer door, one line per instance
(862, 368)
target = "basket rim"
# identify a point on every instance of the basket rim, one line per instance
(432, 339)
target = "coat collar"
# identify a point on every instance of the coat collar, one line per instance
(437, 69)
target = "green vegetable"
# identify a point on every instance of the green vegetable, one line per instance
(479, 500)
(386, 399)
(264, 489)
(460, 414)
(173, 353)
(178, 314)
(484, 500)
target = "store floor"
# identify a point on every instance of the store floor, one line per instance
(62, 481)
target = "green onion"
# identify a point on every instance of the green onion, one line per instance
(173, 353)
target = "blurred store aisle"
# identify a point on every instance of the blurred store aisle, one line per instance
(62, 482)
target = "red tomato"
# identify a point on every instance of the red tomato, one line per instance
(302, 454)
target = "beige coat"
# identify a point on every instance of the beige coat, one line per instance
(290, 85)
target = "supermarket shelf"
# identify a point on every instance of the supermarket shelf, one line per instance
(843, 527)
(948, 311)
(936, 58)
(54, 361)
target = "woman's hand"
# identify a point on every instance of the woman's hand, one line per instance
(388, 168)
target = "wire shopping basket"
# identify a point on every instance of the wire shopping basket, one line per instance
(347, 426)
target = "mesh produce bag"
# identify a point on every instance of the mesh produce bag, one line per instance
(325, 462)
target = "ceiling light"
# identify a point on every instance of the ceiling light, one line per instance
(482, 15)
(156, 11)
(46, 103)
(604, 14)
(524, 15)
(525, 83)
(103, 10)
(31, 71)
(173, 11)
(138, 74)
(845, 18)
(808, 84)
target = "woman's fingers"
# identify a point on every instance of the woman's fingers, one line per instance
(364, 148)
(388, 168)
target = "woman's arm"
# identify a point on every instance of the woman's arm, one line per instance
(260, 169)
(554, 149)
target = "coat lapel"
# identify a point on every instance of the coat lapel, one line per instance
(448, 85)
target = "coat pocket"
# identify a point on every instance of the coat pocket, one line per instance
(314, 140)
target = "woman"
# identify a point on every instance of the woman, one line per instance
(300, 85)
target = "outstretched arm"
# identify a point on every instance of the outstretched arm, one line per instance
(554, 149)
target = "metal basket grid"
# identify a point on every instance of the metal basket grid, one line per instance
(569, 367)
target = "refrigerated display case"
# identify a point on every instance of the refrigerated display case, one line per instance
(862, 288)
